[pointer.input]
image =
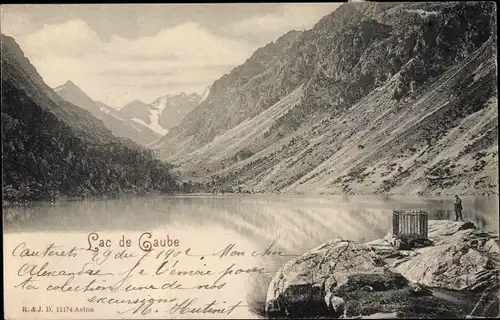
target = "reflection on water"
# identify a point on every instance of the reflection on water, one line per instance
(300, 222)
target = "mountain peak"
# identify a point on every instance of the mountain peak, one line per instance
(136, 101)
(176, 94)
(68, 85)
(137, 104)
(182, 93)
(70, 141)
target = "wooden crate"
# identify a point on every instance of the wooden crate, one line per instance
(410, 224)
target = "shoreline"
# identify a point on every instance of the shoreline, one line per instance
(426, 279)
(7, 203)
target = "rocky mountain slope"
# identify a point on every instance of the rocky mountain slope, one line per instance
(380, 98)
(174, 107)
(111, 118)
(137, 110)
(72, 93)
(243, 93)
(161, 114)
(204, 94)
(54, 149)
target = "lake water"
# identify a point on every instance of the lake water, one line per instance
(301, 221)
(298, 223)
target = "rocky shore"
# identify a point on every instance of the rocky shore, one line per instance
(457, 275)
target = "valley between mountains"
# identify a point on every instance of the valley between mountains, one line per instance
(376, 98)
(141, 122)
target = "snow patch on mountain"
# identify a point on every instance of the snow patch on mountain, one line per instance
(106, 111)
(135, 127)
(161, 102)
(205, 93)
(154, 115)
(162, 113)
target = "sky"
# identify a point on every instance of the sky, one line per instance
(118, 53)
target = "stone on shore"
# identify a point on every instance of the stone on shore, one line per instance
(345, 279)
(461, 258)
(342, 278)
(306, 284)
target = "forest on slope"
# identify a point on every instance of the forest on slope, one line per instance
(53, 149)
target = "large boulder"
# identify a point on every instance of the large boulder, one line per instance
(462, 257)
(342, 278)
(305, 285)
(345, 279)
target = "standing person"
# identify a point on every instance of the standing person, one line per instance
(458, 208)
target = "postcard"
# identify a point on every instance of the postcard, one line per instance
(250, 161)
